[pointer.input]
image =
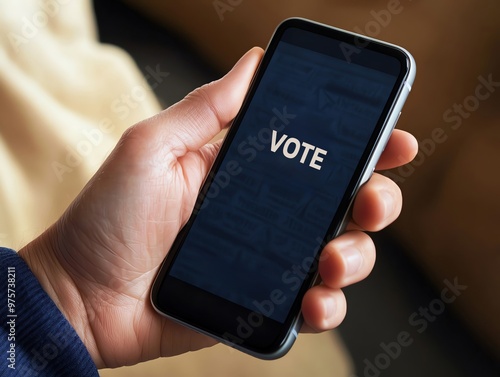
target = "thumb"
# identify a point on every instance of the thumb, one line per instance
(202, 114)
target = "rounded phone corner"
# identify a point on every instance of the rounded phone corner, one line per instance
(285, 346)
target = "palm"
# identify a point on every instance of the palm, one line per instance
(130, 213)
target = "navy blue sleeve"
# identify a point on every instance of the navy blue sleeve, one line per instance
(36, 339)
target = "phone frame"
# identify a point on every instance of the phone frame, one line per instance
(374, 149)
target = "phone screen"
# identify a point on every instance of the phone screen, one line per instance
(286, 175)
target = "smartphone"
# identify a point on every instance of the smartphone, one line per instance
(317, 116)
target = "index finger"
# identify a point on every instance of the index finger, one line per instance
(401, 148)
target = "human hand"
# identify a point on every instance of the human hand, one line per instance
(98, 261)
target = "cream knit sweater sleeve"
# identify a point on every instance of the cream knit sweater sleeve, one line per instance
(65, 101)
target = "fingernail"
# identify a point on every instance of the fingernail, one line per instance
(329, 308)
(388, 203)
(353, 260)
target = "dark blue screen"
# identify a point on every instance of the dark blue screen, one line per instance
(282, 179)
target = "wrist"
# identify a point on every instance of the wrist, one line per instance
(43, 258)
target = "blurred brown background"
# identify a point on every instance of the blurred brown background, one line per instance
(446, 240)
(448, 229)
